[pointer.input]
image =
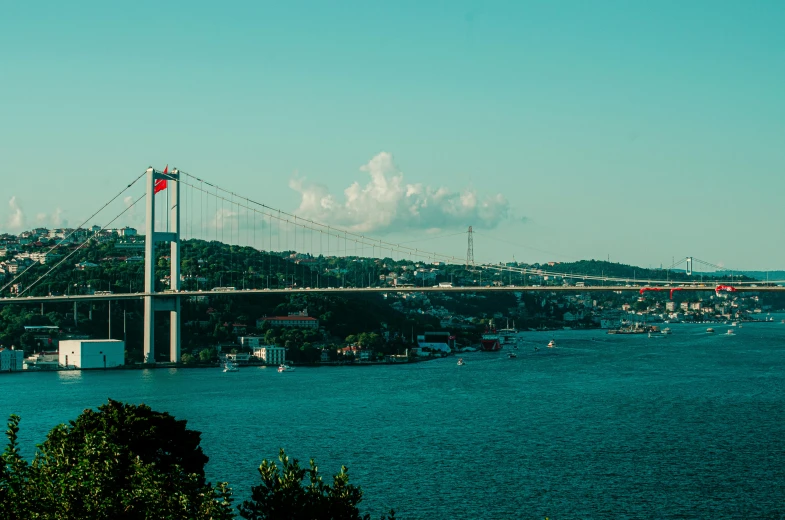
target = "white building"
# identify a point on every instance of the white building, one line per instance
(92, 353)
(271, 355)
(11, 360)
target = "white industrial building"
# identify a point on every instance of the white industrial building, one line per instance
(92, 353)
(271, 355)
(11, 360)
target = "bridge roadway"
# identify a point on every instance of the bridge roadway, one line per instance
(365, 290)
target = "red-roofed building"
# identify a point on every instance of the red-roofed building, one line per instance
(303, 322)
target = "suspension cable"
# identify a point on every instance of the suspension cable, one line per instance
(87, 241)
(66, 237)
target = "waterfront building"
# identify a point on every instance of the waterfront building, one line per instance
(92, 353)
(43, 361)
(302, 322)
(271, 355)
(239, 358)
(435, 342)
(11, 360)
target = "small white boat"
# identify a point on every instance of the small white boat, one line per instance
(730, 333)
(231, 367)
(551, 344)
(460, 362)
(710, 331)
(512, 355)
(666, 330)
(285, 368)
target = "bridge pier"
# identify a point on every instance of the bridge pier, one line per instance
(171, 303)
(174, 264)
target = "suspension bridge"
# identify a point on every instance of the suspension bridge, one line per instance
(181, 207)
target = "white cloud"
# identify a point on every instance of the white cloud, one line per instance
(386, 203)
(16, 219)
(55, 219)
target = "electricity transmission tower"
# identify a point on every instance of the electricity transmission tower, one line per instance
(470, 251)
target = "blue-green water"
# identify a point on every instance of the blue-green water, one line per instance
(687, 426)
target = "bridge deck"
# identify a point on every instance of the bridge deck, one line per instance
(362, 290)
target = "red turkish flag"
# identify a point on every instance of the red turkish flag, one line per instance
(160, 184)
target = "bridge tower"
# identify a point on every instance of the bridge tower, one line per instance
(171, 303)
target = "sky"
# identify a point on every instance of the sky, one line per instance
(639, 132)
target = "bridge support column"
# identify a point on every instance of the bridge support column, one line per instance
(149, 269)
(169, 303)
(174, 262)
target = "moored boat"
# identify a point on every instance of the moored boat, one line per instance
(490, 342)
(508, 335)
(285, 368)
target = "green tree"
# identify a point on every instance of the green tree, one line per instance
(120, 462)
(282, 495)
(206, 355)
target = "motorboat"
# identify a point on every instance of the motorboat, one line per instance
(666, 330)
(285, 368)
(460, 362)
(551, 344)
(655, 336)
(231, 367)
(730, 333)
(512, 355)
(710, 331)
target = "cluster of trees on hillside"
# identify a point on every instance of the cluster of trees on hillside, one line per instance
(128, 462)
(205, 265)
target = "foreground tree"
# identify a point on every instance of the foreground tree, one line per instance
(283, 494)
(129, 462)
(121, 462)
